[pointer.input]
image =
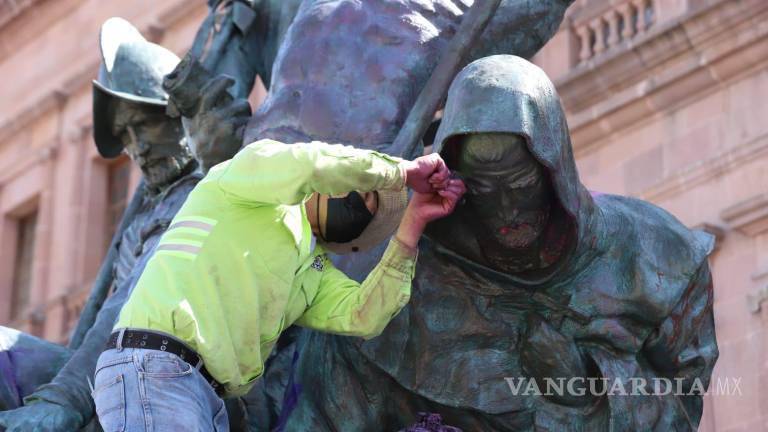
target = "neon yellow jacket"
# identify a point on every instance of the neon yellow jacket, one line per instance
(236, 265)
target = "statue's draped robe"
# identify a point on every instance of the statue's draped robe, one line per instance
(240, 38)
(633, 292)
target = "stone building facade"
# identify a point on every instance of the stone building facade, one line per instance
(665, 100)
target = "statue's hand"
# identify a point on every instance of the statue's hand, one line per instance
(547, 354)
(215, 133)
(41, 416)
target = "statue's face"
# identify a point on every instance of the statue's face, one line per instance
(153, 140)
(508, 192)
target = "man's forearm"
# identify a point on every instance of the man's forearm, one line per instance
(410, 230)
(343, 306)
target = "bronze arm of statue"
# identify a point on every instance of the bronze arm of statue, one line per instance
(213, 119)
(236, 43)
(240, 38)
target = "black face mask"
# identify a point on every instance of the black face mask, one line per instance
(346, 218)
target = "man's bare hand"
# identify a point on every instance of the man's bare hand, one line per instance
(427, 173)
(426, 207)
(435, 205)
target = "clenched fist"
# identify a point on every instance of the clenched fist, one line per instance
(426, 173)
(425, 207)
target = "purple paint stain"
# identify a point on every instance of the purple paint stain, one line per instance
(430, 422)
(290, 397)
(6, 371)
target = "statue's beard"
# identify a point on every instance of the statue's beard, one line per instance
(515, 246)
(164, 171)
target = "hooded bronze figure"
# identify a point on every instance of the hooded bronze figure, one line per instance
(533, 278)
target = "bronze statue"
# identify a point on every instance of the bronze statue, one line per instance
(533, 278)
(129, 114)
(348, 71)
(237, 42)
(240, 39)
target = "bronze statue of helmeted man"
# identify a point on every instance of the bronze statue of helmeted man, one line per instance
(129, 116)
(532, 279)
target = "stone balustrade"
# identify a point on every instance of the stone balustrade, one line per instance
(619, 22)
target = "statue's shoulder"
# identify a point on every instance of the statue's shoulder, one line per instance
(164, 205)
(656, 229)
(655, 252)
(183, 185)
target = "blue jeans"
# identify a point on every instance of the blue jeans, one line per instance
(147, 390)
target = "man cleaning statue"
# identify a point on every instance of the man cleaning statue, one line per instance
(245, 257)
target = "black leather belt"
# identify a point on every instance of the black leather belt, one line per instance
(146, 339)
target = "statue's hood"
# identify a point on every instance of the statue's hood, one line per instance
(508, 94)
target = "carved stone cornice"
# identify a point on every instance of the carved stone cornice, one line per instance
(675, 61)
(706, 170)
(749, 217)
(53, 100)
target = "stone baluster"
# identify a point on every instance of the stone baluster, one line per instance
(586, 44)
(612, 18)
(654, 6)
(642, 23)
(626, 12)
(597, 27)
